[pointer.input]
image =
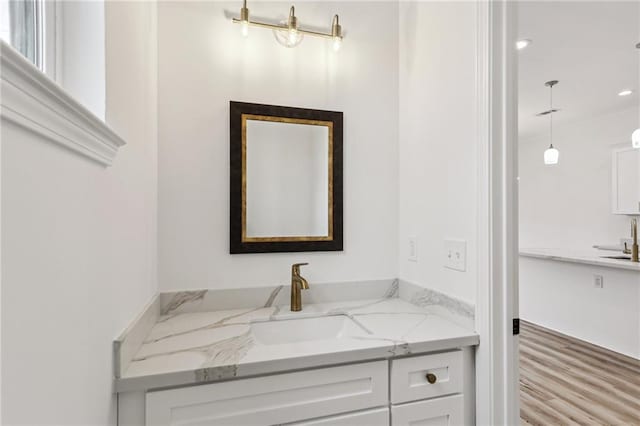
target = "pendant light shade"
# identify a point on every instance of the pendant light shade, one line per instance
(551, 155)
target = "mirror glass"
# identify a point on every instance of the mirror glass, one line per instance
(287, 179)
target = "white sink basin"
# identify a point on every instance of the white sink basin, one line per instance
(284, 331)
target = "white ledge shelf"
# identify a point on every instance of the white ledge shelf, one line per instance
(33, 101)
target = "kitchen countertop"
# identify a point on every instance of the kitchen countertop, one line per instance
(586, 256)
(200, 347)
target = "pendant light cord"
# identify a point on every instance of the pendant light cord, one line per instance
(551, 113)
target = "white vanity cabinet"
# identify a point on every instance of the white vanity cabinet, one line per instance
(446, 411)
(375, 417)
(275, 399)
(423, 389)
(625, 181)
(415, 400)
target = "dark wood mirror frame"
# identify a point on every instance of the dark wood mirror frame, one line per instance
(238, 242)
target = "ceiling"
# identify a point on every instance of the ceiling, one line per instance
(589, 47)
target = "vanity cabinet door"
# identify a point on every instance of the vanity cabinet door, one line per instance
(447, 411)
(377, 417)
(276, 399)
(626, 181)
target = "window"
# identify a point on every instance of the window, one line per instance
(64, 39)
(29, 26)
(64, 98)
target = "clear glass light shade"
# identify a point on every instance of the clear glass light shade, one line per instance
(288, 37)
(551, 155)
(244, 28)
(635, 138)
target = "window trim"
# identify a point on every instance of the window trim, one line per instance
(33, 101)
(47, 42)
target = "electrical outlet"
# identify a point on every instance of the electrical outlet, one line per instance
(455, 252)
(598, 281)
(413, 249)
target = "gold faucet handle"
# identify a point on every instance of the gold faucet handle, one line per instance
(295, 268)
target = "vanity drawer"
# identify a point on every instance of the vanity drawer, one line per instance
(446, 411)
(281, 398)
(409, 380)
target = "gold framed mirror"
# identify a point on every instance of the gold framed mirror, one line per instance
(286, 179)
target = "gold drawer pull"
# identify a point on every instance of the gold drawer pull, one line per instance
(431, 378)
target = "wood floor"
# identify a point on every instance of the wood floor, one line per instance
(564, 381)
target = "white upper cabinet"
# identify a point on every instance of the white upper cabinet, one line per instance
(625, 188)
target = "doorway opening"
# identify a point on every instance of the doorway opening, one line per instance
(579, 203)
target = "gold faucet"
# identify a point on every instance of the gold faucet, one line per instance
(297, 284)
(634, 235)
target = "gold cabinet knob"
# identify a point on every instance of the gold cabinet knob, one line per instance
(431, 378)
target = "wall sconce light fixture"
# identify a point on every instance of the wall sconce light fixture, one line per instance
(288, 33)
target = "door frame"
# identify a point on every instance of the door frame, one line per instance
(497, 377)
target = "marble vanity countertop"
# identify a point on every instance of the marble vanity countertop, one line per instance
(199, 347)
(587, 256)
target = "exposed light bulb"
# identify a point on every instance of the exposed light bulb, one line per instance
(625, 93)
(244, 28)
(635, 138)
(551, 155)
(336, 32)
(337, 42)
(293, 35)
(521, 44)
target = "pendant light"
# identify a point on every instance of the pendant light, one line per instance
(551, 154)
(635, 139)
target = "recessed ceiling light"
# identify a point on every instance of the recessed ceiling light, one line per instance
(521, 44)
(625, 93)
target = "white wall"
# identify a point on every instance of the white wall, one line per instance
(78, 244)
(204, 63)
(608, 316)
(438, 173)
(569, 205)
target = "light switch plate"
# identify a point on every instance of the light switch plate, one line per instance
(455, 255)
(598, 281)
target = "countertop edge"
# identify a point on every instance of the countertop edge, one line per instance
(264, 368)
(608, 263)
